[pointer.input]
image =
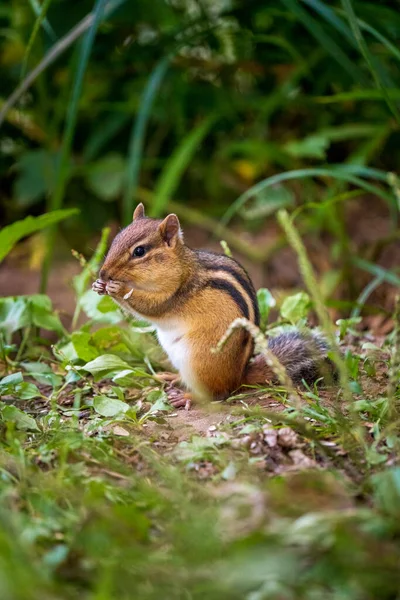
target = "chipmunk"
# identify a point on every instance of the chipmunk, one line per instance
(192, 296)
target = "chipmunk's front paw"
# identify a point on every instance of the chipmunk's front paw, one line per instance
(115, 288)
(99, 287)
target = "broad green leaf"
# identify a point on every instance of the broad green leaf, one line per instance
(313, 146)
(42, 373)
(83, 346)
(296, 307)
(11, 234)
(106, 363)
(12, 414)
(131, 377)
(15, 385)
(106, 177)
(267, 202)
(26, 391)
(109, 407)
(43, 315)
(36, 176)
(101, 308)
(159, 403)
(12, 379)
(14, 315)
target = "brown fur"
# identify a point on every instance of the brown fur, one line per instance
(205, 291)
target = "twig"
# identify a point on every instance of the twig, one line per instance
(261, 347)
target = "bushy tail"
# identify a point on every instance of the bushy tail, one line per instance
(303, 354)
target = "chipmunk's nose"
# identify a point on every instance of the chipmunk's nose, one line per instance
(104, 275)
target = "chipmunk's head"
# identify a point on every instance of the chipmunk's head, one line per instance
(149, 253)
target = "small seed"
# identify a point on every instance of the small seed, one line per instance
(129, 294)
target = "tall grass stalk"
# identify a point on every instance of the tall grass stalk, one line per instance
(310, 280)
(394, 366)
(261, 347)
(71, 118)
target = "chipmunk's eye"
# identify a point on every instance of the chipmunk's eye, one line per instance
(139, 251)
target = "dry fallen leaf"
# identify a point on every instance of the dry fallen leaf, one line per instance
(117, 430)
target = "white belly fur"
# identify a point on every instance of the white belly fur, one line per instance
(172, 338)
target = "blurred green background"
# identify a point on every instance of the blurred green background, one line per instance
(186, 105)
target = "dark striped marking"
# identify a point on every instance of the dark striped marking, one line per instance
(244, 282)
(229, 288)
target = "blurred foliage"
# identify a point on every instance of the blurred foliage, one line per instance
(287, 83)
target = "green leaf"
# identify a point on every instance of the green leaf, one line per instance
(12, 379)
(36, 176)
(42, 313)
(83, 346)
(266, 301)
(12, 414)
(266, 203)
(106, 177)
(26, 391)
(14, 315)
(42, 373)
(16, 386)
(109, 407)
(296, 307)
(131, 377)
(11, 234)
(106, 363)
(313, 146)
(101, 308)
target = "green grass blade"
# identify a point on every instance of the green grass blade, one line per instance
(40, 12)
(136, 143)
(41, 20)
(55, 51)
(376, 270)
(11, 234)
(349, 173)
(70, 124)
(177, 164)
(329, 15)
(348, 7)
(381, 38)
(394, 94)
(325, 41)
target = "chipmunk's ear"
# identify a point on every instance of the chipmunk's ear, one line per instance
(138, 213)
(170, 230)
